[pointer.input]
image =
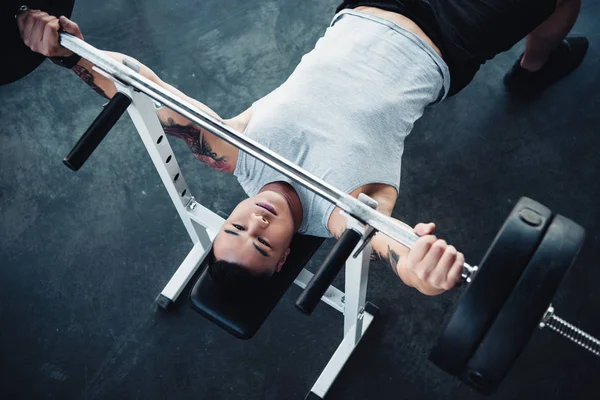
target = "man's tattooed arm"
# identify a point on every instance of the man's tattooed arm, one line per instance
(394, 255)
(204, 146)
(391, 258)
(88, 78)
(196, 140)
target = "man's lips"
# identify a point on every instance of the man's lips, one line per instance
(267, 207)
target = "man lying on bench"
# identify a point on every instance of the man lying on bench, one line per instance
(343, 115)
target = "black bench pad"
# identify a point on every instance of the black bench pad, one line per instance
(243, 317)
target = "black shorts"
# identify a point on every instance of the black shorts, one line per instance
(468, 32)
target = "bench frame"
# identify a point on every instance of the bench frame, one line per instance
(202, 225)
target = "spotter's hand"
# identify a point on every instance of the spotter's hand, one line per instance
(39, 32)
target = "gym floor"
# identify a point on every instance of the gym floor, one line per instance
(83, 255)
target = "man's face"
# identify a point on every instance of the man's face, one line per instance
(257, 234)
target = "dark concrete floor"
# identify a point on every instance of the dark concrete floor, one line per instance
(83, 255)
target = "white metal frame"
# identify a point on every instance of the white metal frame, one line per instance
(351, 303)
(202, 225)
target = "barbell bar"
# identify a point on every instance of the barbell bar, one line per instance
(344, 201)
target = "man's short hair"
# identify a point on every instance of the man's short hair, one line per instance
(235, 277)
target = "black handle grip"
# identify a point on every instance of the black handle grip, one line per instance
(324, 276)
(88, 142)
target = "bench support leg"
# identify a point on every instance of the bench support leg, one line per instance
(339, 358)
(358, 316)
(200, 223)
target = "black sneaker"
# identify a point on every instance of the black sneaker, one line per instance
(564, 59)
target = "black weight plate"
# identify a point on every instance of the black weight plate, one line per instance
(526, 305)
(498, 273)
(18, 59)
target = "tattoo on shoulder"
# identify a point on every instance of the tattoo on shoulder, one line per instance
(88, 78)
(391, 259)
(196, 140)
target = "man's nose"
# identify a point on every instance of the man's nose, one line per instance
(260, 220)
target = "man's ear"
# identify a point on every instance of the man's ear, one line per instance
(282, 259)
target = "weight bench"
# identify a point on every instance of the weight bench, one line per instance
(241, 319)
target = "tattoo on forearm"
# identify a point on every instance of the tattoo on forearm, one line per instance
(195, 139)
(391, 259)
(88, 78)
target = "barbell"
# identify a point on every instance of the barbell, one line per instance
(498, 312)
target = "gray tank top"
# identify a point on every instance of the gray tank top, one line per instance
(344, 112)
